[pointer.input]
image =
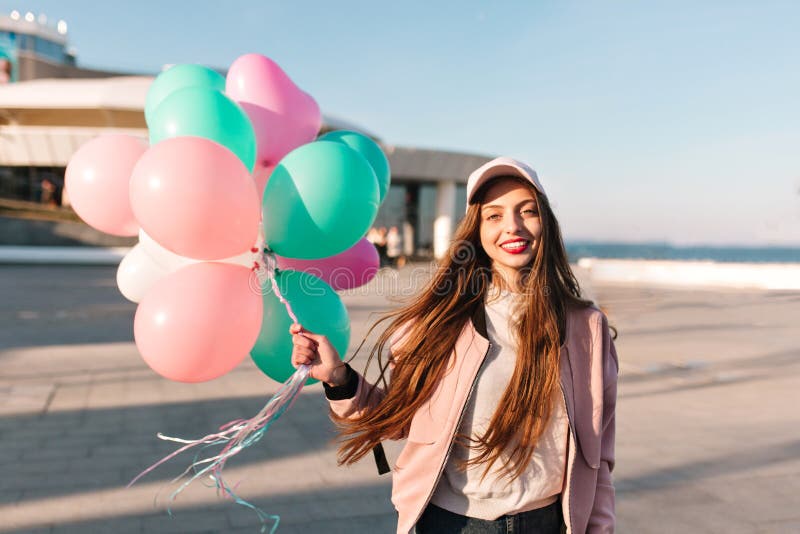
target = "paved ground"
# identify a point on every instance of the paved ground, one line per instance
(707, 418)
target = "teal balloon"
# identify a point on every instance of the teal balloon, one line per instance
(319, 201)
(317, 307)
(370, 150)
(203, 112)
(180, 77)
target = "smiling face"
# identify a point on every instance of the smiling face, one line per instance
(510, 226)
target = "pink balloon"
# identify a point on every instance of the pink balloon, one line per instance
(261, 176)
(283, 115)
(196, 198)
(198, 323)
(97, 182)
(352, 268)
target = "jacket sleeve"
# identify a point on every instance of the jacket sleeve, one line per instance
(366, 396)
(603, 518)
(360, 401)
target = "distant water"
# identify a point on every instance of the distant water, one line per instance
(660, 251)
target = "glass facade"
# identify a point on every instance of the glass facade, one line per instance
(461, 202)
(393, 210)
(7, 38)
(11, 43)
(43, 185)
(45, 48)
(426, 214)
(8, 56)
(415, 204)
(24, 42)
(48, 49)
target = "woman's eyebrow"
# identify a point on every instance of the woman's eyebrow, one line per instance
(490, 206)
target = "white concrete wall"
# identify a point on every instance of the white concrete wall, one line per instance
(443, 225)
(693, 273)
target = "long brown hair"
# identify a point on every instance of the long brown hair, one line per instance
(457, 287)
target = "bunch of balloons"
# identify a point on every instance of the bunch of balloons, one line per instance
(233, 183)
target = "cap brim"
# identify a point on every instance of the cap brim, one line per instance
(499, 170)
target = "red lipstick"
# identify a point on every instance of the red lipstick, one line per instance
(515, 246)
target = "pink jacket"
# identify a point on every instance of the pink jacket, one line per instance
(589, 383)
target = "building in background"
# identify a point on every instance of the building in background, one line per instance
(33, 47)
(49, 107)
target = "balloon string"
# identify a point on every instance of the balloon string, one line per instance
(272, 267)
(237, 435)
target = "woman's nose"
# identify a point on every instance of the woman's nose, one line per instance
(514, 223)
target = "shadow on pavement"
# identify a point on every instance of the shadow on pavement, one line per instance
(742, 461)
(364, 508)
(65, 452)
(728, 373)
(62, 306)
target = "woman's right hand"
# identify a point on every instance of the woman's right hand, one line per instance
(316, 351)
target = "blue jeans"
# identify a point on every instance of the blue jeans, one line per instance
(547, 520)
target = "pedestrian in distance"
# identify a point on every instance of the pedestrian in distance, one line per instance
(501, 378)
(394, 247)
(381, 244)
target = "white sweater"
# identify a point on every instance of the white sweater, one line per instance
(463, 492)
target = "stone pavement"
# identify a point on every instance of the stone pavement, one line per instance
(707, 418)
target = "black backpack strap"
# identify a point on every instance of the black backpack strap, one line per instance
(380, 459)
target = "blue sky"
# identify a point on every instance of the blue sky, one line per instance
(670, 121)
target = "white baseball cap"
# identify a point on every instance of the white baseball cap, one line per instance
(502, 166)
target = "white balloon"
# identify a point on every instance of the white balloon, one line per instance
(171, 261)
(137, 272)
(165, 258)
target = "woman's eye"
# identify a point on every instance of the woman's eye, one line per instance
(530, 212)
(493, 217)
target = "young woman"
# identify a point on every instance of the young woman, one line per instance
(503, 379)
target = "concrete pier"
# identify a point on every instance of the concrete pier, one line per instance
(707, 417)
